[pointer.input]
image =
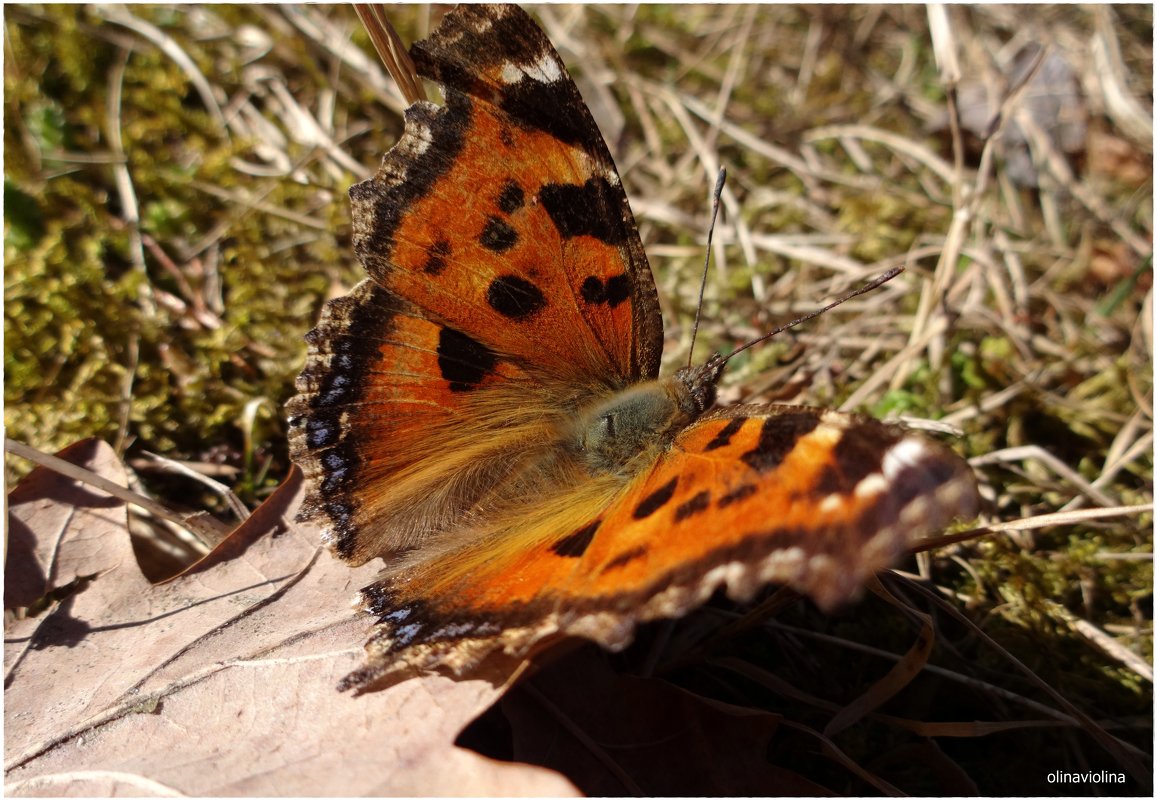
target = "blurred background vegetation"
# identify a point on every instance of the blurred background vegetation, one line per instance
(175, 184)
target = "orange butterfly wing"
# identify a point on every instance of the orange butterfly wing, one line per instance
(496, 224)
(750, 495)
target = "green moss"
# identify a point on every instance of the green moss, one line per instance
(77, 303)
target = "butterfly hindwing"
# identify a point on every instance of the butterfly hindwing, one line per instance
(813, 498)
(816, 499)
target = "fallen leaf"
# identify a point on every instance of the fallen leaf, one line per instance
(218, 682)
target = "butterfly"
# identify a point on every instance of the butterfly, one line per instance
(485, 411)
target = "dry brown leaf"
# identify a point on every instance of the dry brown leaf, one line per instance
(60, 531)
(218, 682)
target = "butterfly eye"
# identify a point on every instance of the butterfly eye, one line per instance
(607, 422)
(627, 426)
(596, 435)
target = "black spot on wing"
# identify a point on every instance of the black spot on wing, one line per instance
(576, 544)
(699, 503)
(726, 433)
(656, 500)
(463, 360)
(436, 257)
(737, 494)
(511, 198)
(624, 559)
(777, 438)
(830, 480)
(515, 297)
(860, 451)
(498, 236)
(593, 209)
(614, 291)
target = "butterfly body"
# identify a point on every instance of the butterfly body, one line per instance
(626, 432)
(485, 411)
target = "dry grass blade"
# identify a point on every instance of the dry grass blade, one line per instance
(173, 466)
(834, 752)
(198, 523)
(121, 16)
(776, 684)
(391, 50)
(1122, 104)
(966, 728)
(1070, 518)
(1106, 643)
(1038, 453)
(1064, 518)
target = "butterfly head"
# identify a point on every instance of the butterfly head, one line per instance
(696, 385)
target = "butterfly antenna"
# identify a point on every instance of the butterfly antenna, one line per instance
(719, 182)
(868, 287)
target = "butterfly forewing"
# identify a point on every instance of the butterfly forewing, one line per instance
(502, 215)
(508, 287)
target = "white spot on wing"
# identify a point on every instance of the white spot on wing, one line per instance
(511, 74)
(545, 70)
(831, 503)
(904, 454)
(871, 486)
